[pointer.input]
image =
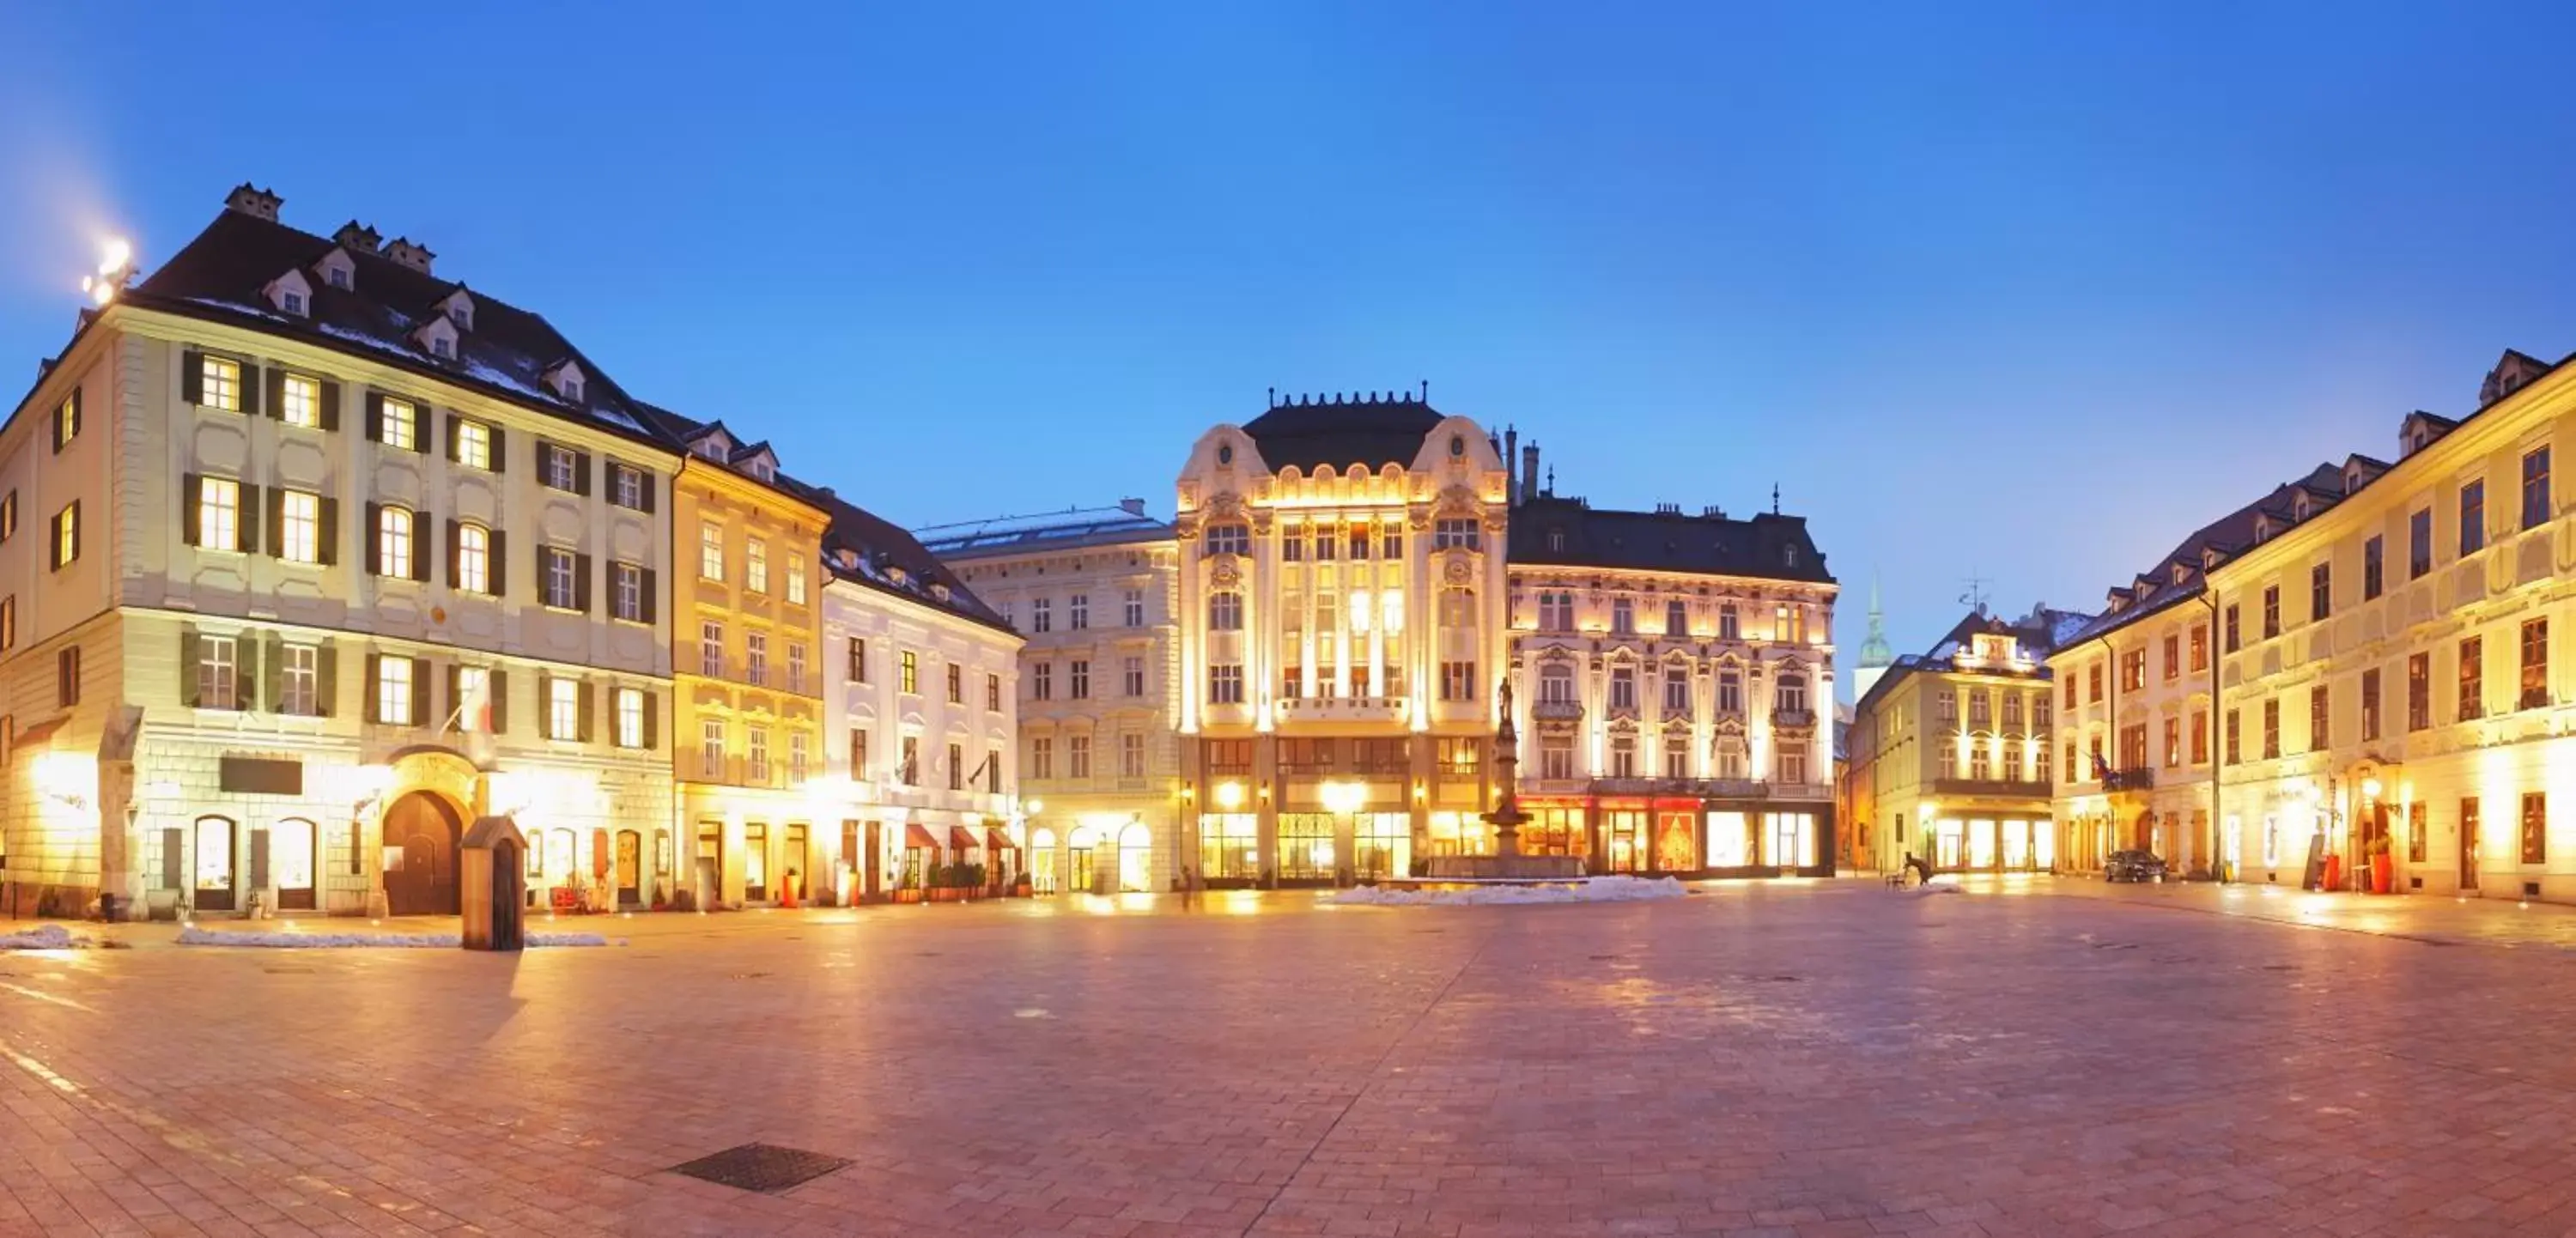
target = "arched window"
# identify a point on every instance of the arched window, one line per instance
(291, 844)
(212, 882)
(1135, 858)
(473, 558)
(1556, 684)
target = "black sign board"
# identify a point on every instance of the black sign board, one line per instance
(2316, 878)
(263, 776)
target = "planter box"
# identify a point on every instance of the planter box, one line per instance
(908, 896)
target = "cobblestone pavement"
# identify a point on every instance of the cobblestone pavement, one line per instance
(1807, 1059)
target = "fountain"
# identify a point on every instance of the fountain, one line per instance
(1507, 864)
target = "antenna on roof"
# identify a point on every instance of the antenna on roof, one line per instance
(1975, 597)
(1426, 391)
(1775, 498)
(1274, 397)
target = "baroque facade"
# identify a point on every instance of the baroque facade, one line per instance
(1093, 592)
(309, 558)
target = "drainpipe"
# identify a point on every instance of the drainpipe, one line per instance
(2217, 754)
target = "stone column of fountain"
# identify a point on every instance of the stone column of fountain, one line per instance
(1507, 863)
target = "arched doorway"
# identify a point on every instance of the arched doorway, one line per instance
(1078, 850)
(1043, 876)
(423, 882)
(1135, 858)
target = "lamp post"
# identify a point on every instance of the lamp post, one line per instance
(1343, 799)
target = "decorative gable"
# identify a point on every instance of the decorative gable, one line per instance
(437, 337)
(291, 294)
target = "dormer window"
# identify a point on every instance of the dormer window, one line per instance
(442, 347)
(438, 335)
(290, 294)
(292, 302)
(572, 387)
(338, 276)
(460, 310)
(761, 470)
(337, 270)
(711, 449)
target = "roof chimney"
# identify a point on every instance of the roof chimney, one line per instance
(357, 238)
(1512, 495)
(417, 257)
(254, 202)
(1529, 471)
(1133, 507)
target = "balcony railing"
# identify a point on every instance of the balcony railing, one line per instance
(1556, 710)
(1343, 708)
(1704, 788)
(1793, 717)
(2135, 778)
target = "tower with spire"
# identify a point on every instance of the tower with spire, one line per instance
(1875, 656)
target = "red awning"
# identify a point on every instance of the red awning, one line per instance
(916, 836)
(962, 839)
(1002, 841)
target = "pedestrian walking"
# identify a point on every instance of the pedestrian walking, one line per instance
(1189, 888)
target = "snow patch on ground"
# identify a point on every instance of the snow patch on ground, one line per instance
(195, 936)
(42, 937)
(1588, 890)
(1936, 886)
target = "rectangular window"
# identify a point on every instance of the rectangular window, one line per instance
(626, 487)
(1623, 687)
(993, 690)
(299, 680)
(2271, 728)
(2535, 665)
(1041, 756)
(2093, 682)
(66, 539)
(1225, 611)
(908, 770)
(2373, 579)
(563, 469)
(1556, 757)
(710, 648)
(2419, 691)
(2199, 738)
(2320, 592)
(393, 691)
(710, 551)
(1042, 681)
(2133, 670)
(393, 542)
(1729, 626)
(1078, 679)
(300, 526)
(2419, 544)
(1676, 692)
(2320, 719)
(2473, 695)
(796, 666)
(630, 718)
(1730, 692)
(219, 513)
(2232, 643)
(1228, 539)
(2535, 827)
(711, 748)
(626, 593)
(1446, 534)
(755, 565)
(1458, 681)
(474, 558)
(1135, 608)
(2173, 743)
(2370, 705)
(558, 577)
(857, 670)
(755, 657)
(796, 582)
(2271, 611)
(909, 674)
(1041, 614)
(1623, 616)
(2173, 655)
(219, 384)
(957, 684)
(476, 708)
(2199, 648)
(755, 754)
(1225, 684)
(218, 673)
(2535, 488)
(800, 757)
(2473, 518)
(299, 401)
(859, 753)
(1077, 756)
(1077, 612)
(473, 444)
(563, 708)
(396, 425)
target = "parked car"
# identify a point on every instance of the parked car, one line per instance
(2133, 866)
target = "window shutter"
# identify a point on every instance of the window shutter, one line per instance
(420, 692)
(191, 488)
(272, 676)
(652, 719)
(644, 479)
(276, 523)
(76, 528)
(500, 557)
(500, 701)
(421, 524)
(188, 656)
(246, 520)
(452, 422)
(375, 688)
(420, 428)
(173, 854)
(252, 380)
(192, 377)
(275, 398)
(326, 679)
(455, 552)
(455, 698)
(375, 416)
(372, 551)
(500, 451)
(581, 573)
(582, 694)
(327, 536)
(545, 464)
(330, 406)
(581, 473)
(543, 583)
(651, 594)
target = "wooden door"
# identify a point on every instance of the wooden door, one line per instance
(424, 881)
(630, 866)
(875, 858)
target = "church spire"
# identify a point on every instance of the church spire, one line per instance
(1875, 656)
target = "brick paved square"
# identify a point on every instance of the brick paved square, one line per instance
(1797, 1059)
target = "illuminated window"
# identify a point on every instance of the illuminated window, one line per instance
(474, 558)
(796, 667)
(755, 656)
(909, 675)
(299, 401)
(218, 675)
(2473, 697)
(393, 690)
(563, 709)
(755, 565)
(711, 550)
(711, 748)
(473, 444)
(300, 526)
(796, 582)
(630, 718)
(393, 542)
(710, 648)
(219, 384)
(219, 513)
(395, 426)
(756, 753)
(66, 539)
(299, 682)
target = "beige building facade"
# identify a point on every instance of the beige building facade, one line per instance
(1952, 751)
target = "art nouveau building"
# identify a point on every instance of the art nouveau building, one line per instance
(2137, 719)
(308, 558)
(2390, 681)
(1671, 678)
(1951, 750)
(1093, 592)
(746, 629)
(1341, 594)
(922, 696)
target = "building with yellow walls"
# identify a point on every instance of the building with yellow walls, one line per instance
(747, 686)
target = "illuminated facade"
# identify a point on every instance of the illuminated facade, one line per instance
(308, 558)
(923, 703)
(2138, 729)
(1093, 593)
(1341, 630)
(746, 641)
(1672, 675)
(2392, 687)
(1951, 751)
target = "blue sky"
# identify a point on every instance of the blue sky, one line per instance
(2020, 292)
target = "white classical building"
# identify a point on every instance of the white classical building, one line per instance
(308, 558)
(1092, 590)
(922, 691)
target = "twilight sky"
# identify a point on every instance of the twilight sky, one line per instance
(2024, 293)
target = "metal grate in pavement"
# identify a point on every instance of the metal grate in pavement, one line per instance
(761, 1167)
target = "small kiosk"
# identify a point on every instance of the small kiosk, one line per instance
(493, 875)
